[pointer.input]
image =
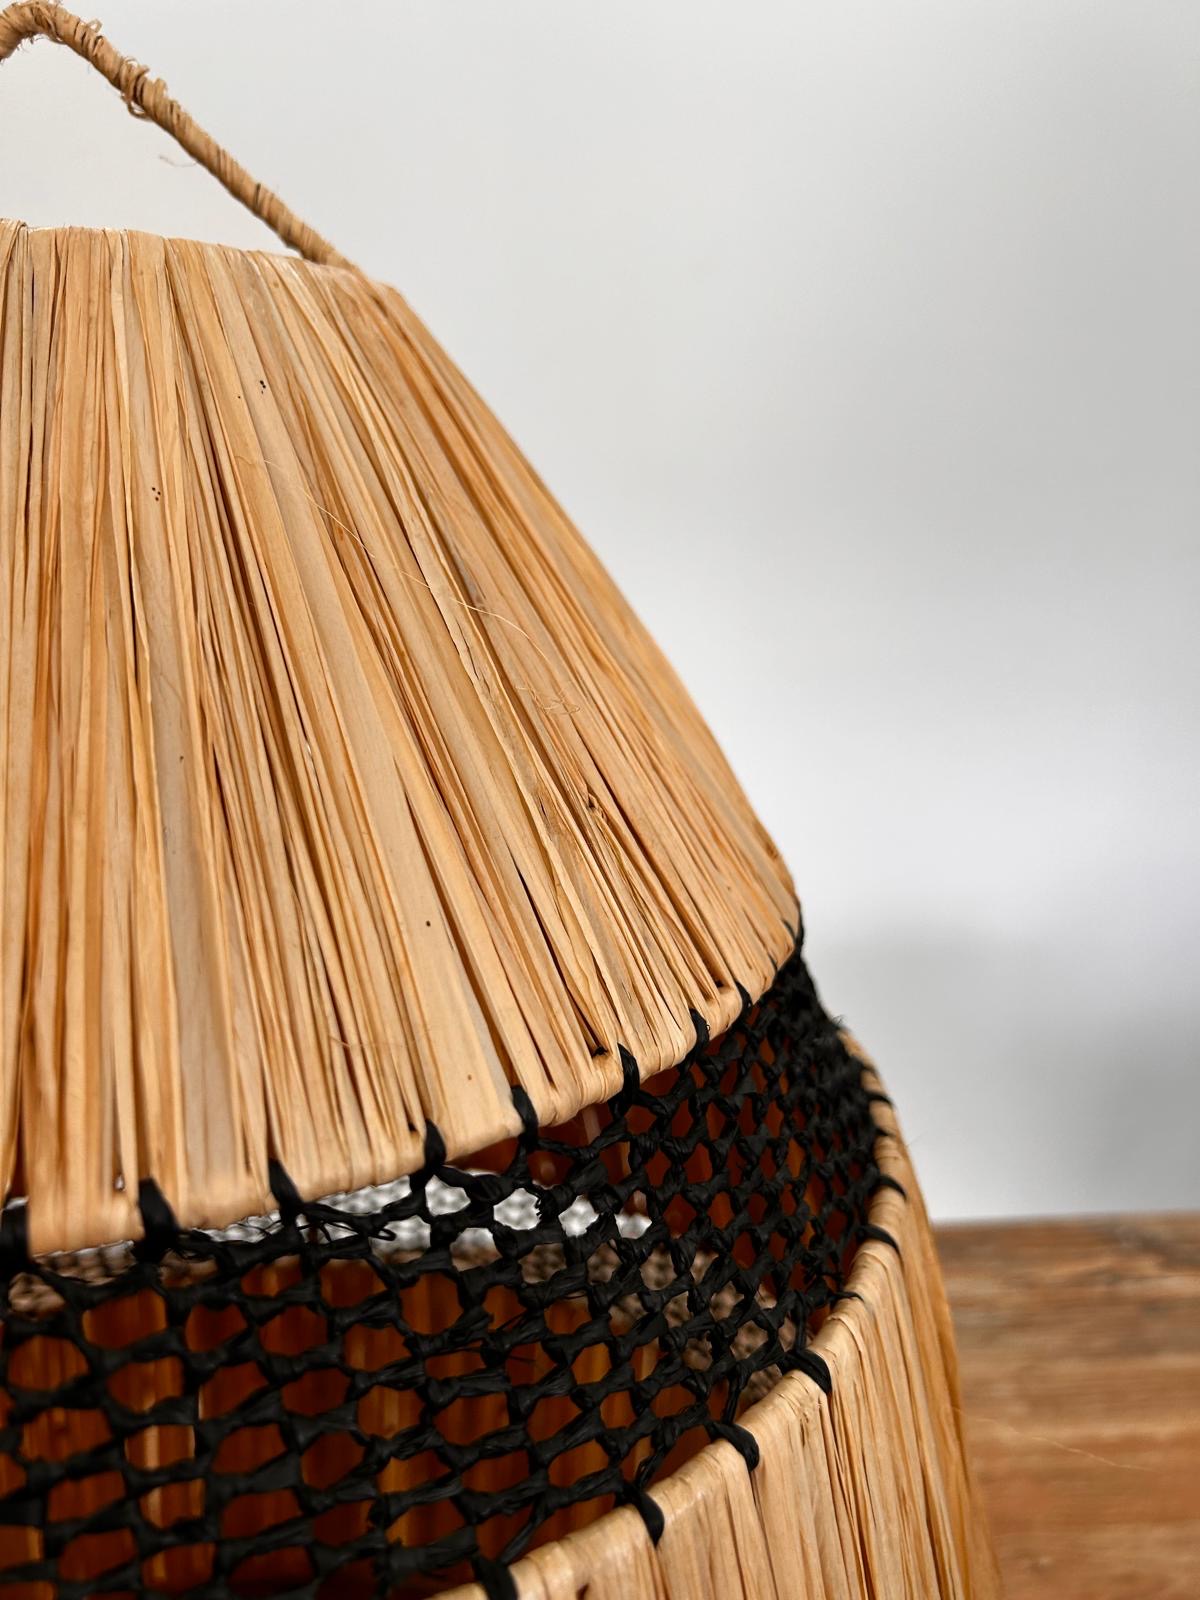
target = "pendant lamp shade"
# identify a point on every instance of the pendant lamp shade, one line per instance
(426, 1159)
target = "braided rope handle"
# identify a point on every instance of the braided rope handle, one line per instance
(147, 97)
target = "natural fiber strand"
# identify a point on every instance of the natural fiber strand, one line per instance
(147, 97)
(862, 1494)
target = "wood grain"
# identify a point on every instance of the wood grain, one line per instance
(1079, 1344)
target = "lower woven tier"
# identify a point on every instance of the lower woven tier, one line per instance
(390, 1392)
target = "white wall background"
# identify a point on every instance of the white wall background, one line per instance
(864, 343)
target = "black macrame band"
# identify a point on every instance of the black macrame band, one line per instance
(396, 1391)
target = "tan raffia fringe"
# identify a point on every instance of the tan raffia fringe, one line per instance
(862, 1495)
(146, 96)
(341, 789)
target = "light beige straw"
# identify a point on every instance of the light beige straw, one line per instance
(341, 789)
(148, 97)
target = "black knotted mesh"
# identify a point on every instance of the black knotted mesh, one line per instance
(384, 1394)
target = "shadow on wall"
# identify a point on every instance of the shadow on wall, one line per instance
(1040, 1078)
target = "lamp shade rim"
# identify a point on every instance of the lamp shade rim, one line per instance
(63, 230)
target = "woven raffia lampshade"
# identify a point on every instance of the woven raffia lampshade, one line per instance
(427, 1160)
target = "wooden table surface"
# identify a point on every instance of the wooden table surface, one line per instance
(1079, 1344)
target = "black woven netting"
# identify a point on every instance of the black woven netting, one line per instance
(392, 1391)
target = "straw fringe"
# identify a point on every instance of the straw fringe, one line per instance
(864, 1494)
(341, 790)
